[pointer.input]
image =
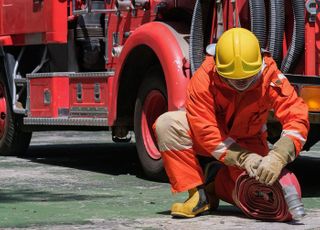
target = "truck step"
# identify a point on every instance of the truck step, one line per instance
(72, 74)
(66, 121)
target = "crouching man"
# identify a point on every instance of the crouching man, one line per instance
(228, 101)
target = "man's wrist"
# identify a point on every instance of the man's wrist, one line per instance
(284, 149)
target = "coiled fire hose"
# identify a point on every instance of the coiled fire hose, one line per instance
(269, 203)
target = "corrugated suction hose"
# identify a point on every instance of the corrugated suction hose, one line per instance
(298, 37)
(258, 20)
(276, 29)
(198, 33)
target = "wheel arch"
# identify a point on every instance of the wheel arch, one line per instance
(133, 73)
(155, 43)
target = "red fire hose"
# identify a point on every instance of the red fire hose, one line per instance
(264, 202)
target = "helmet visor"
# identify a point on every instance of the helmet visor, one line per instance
(242, 84)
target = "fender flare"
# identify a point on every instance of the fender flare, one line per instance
(172, 52)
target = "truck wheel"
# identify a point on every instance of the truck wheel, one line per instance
(13, 141)
(150, 104)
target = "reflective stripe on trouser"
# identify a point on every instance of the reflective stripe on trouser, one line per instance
(175, 145)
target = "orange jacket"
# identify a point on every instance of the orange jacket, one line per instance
(219, 115)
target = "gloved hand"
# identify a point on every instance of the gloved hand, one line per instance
(238, 156)
(283, 152)
(251, 163)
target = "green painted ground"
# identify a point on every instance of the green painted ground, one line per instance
(121, 196)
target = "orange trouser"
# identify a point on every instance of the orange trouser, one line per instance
(180, 159)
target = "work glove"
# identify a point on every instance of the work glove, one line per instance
(238, 156)
(282, 153)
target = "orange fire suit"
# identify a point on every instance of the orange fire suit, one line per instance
(217, 115)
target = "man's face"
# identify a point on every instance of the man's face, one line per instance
(243, 84)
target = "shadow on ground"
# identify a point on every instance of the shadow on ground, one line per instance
(113, 159)
(121, 159)
(31, 195)
(223, 210)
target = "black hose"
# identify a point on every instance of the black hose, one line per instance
(297, 42)
(199, 31)
(258, 20)
(200, 28)
(276, 29)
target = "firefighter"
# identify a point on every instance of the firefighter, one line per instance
(228, 102)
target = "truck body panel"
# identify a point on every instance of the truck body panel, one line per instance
(34, 22)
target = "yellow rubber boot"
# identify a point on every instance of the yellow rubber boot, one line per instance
(196, 204)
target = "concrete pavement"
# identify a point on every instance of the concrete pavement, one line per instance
(85, 182)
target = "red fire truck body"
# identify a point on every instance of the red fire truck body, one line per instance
(119, 64)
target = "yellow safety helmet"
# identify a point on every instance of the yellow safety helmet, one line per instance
(238, 54)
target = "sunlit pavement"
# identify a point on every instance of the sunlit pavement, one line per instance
(83, 181)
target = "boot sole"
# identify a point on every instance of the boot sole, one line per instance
(206, 210)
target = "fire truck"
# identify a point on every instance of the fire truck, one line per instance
(119, 64)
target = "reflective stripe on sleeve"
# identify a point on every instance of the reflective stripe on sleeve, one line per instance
(281, 76)
(222, 148)
(294, 133)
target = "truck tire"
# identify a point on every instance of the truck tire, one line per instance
(13, 141)
(150, 104)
